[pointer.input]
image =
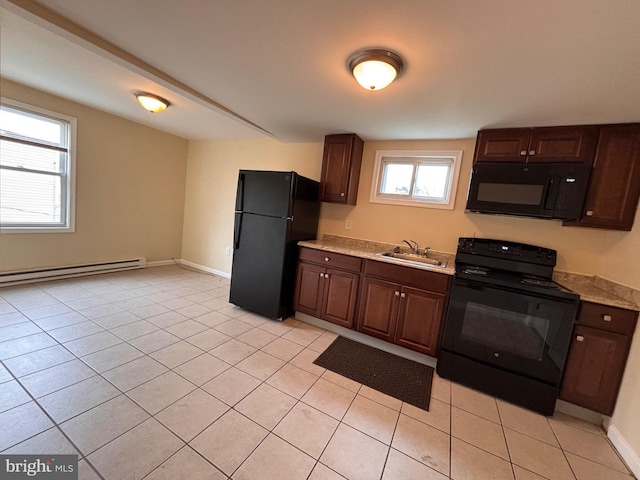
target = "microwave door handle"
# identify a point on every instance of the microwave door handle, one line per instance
(550, 194)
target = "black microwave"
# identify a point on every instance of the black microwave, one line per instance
(541, 190)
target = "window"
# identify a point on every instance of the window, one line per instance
(36, 169)
(416, 178)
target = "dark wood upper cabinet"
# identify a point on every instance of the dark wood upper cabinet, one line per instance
(574, 144)
(341, 162)
(614, 189)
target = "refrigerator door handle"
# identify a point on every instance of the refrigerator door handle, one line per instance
(237, 227)
(240, 194)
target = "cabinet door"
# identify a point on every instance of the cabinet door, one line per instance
(502, 145)
(378, 308)
(563, 144)
(612, 197)
(308, 293)
(594, 369)
(339, 302)
(419, 320)
(341, 163)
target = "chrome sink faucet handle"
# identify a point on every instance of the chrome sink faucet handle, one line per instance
(413, 245)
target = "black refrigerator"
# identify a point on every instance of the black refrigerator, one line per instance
(274, 210)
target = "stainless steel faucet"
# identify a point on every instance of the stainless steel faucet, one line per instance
(413, 245)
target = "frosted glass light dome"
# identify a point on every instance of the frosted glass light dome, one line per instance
(375, 69)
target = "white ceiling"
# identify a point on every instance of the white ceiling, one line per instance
(281, 64)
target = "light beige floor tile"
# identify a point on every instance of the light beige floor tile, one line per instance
(441, 388)
(212, 319)
(100, 310)
(372, 418)
(307, 428)
(320, 344)
(21, 423)
(18, 330)
(229, 441)
(186, 329)
(134, 330)
(474, 402)
(588, 445)
(98, 426)
(176, 304)
(92, 343)
(305, 359)
(233, 351)
(585, 469)
(380, 397)
(537, 456)
(275, 459)
(423, 443)
(12, 395)
(40, 360)
(257, 338)
(134, 373)
(525, 421)
(234, 327)
(260, 365)
(208, 339)
(176, 354)
(78, 330)
(578, 423)
(355, 455)
(154, 341)
(148, 311)
(275, 327)
(479, 432)
(46, 311)
(20, 346)
(167, 319)
(322, 472)
(329, 398)
(233, 311)
(78, 398)
(202, 369)
(85, 472)
(438, 416)
(253, 319)
(399, 467)
(186, 464)
(5, 376)
(192, 311)
(132, 455)
(59, 321)
(160, 392)
(192, 414)
(292, 380)
(301, 336)
(471, 463)
(344, 382)
(283, 349)
(231, 386)
(266, 406)
(522, 474)
(50, 441)
(217, 303)
(116, 320)
(112, 357)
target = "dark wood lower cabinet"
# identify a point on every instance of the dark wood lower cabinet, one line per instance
(419, 320)
(379, 311)
(339, 299)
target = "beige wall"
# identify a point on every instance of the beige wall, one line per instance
(130, 182)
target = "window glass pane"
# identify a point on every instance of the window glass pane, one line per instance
(31, 126)
(396, 179)
(431, 181)
(18, 155)
(29, 198)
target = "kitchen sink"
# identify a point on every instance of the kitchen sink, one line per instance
(412, 258)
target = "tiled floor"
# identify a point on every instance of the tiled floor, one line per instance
(153, 374)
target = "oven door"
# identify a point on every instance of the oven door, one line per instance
(510, 329)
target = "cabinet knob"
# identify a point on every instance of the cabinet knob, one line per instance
(523, 153)
(397, 294)
(532, 152)
(322, 275)
(402, 295)
(342, 194)
(326, 275)
(580, 338)
(326, 259)
(589, 213)
(606, 318)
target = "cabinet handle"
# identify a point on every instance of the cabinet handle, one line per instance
(402, 295)
(607, 318)
(523, 153)
(326, 259)
(532, 152)
(397, 294)
(580, 338)
(589, 213)
(322, 275)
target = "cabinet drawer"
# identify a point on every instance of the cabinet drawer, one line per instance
(610, 319)
(434, 282)
(330, 259)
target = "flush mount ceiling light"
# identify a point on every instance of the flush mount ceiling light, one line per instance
(150, 102)
(375, 68)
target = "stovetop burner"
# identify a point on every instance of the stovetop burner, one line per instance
(539, 282)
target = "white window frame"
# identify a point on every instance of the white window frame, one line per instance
(450, 157)
(69, 183)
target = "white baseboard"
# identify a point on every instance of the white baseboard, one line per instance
(161, 263)
(627, 453)
(203, 268)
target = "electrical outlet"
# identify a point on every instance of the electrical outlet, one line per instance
(348, 224)
(227, 250)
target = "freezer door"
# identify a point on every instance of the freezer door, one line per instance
(265, 193)
(259, 260)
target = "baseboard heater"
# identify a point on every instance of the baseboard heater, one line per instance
(57, 273)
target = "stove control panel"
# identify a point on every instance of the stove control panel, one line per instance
(521, 252)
